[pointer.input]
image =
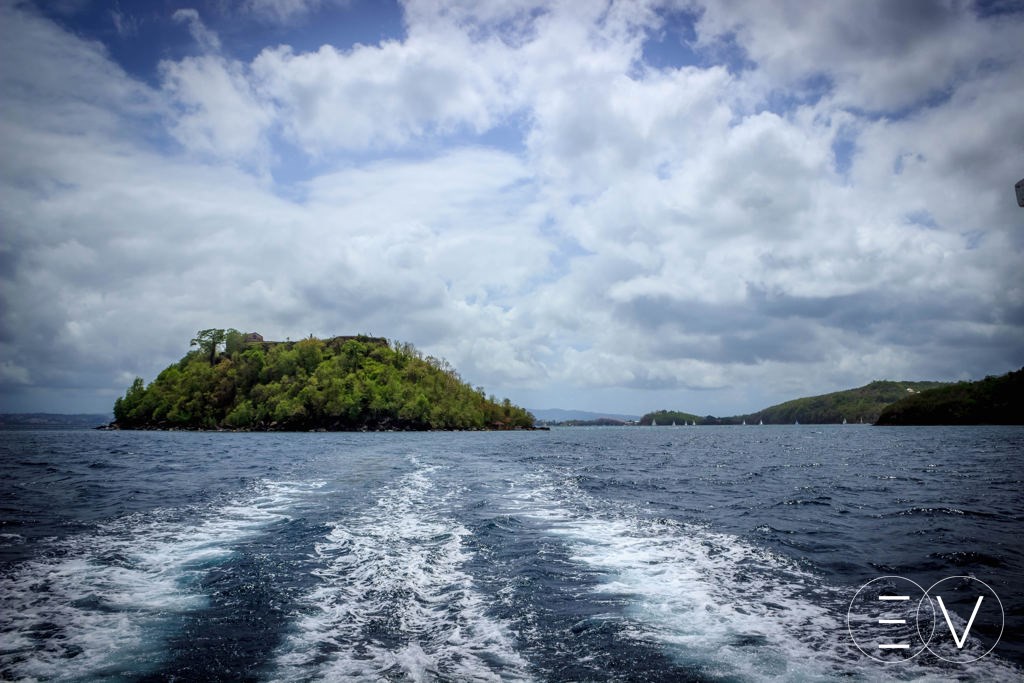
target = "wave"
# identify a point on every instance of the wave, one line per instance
(102, 603)
(719, 606)
(395, 601)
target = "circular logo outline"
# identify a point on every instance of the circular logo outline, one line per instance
(1002, 625)
(849, 626)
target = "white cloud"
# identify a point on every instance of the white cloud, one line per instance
(672, 234)
(879, 55)
(204, 37)
(381, 96)
(217, 111)
(283, 11)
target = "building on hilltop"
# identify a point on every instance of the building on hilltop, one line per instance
(257, 338)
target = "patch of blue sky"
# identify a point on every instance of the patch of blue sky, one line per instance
(726, 51)
(507, 134)
(973, 238)
(670, 46)
(806, 93)
(137, 40)
(992, 8)
(674, 45)
(565, 249)
(138, 36)
(844, 148)
(340, 25)
(923, 218)
(932, 100)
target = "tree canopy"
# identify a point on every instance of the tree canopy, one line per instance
(336, 384)
(993, 400)
(668, 417)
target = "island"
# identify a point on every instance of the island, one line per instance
(238, 381)
(862, 405)
(993, 400)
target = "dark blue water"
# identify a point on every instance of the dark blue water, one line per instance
(653, 554)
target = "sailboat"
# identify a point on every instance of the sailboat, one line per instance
(744, 422)
(760, 422)
(844, 420)
(654, 423)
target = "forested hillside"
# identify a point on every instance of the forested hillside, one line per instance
(863, 404)
(993, 400)
(344, 383)
(669, 417)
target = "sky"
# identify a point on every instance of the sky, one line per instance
(608, 206)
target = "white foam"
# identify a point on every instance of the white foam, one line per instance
(11, 539)
(395, 601)
(730, 609)
(102, 599)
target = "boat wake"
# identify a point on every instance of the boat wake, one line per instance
(105, 602)
(720, 607)
(395, 601)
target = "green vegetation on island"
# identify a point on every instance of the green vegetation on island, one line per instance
(239, 381)
(863, 404)
(993, 400)
(599, 422)
(669, 417)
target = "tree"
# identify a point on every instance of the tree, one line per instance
(234, 342)
(208, 341)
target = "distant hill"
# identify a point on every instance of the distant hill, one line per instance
(993, 400)
(669, 417)
(863, 404)
(51, 421)
(559, 415)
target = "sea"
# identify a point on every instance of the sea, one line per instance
(700, 553)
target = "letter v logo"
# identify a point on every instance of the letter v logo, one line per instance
(967, 629)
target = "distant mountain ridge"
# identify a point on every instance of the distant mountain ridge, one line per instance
(51, 421)
(863, 404)
(560, 415)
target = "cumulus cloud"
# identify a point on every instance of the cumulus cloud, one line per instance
(282, 11)
(380, 96)
(879, 56)
(827, 202)
(218, 112)
(204, 37)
